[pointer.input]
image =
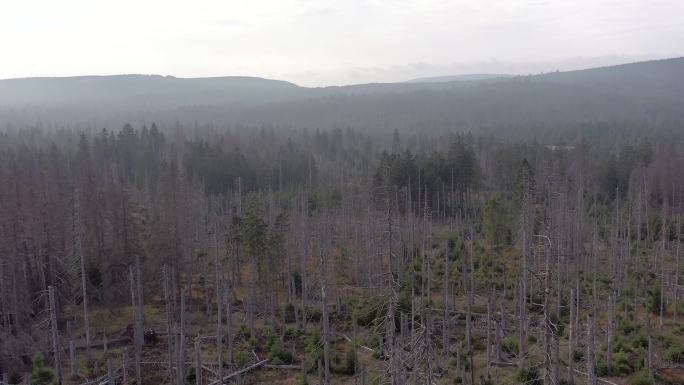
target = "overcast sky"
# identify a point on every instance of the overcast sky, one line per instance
(324, 42)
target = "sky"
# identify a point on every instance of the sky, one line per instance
(332, 42)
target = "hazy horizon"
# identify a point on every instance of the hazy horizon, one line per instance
(354, 42)
(485, 68)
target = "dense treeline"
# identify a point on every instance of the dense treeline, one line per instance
(449, 257)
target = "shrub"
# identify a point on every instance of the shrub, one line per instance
(675, 354)
(578, 355)
(642, 378)
(665, 340)
(367, 310)
(244, 331)
(626, 326)
(622, 364)
(292, 332)
(510, 345)
(601, 368)
(241, 358)
(276, 354)
(190, 376)
(529, 375)
(640, 341)
(350, 362)
(654, 300)
(620, 345)
(314, 350)
(314, 314)
(289, 313)
(253, 341)
(41, 374)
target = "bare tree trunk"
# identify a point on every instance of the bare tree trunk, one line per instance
(55, 334)
(521, 326)
(649, 353)
(445, 301)
(591, 361)
(499, 333)
(136, 328)
(84, 294)
(252, 295)
(466, 290)
(141, 303)
(72, 359)
(663, 236)
(610, 333)
(198, 360)
(324, 320)
(229, 328)
(489, 333)
(169, 329)
(571, 339)
(219, 309)
(471, 293)
(110, 370)
(124, 366)
(675, 301)
(547, 322)
(181, 345)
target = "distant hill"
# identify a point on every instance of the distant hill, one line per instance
(646, 93)
(141, 90)
(457, 78)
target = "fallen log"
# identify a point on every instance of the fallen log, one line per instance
(503, 363)
(598, 379)
(244, 370)
(283, 367)
(350, 340)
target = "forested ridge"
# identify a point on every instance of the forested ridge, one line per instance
(205, 253)
(643, 95)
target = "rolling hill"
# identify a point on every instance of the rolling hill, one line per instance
(631, 94)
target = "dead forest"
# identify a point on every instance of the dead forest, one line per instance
(239, 255)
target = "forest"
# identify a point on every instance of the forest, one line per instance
(199, 253)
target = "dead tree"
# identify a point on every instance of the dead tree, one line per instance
(489, 332)
(56, 347)
(198, 360)
(73, 365)
(571, 338)
(325, 320)
(169, 327)
(445, 303)
(181, 343)
(609, 335)
(219, 309)
(137, 331)
(591, 348)
(84, 290)
(229, 327)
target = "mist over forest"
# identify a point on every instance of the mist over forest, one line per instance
(647, 95)
(473, 229)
